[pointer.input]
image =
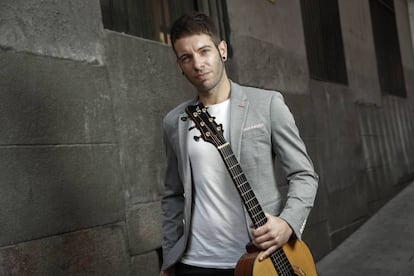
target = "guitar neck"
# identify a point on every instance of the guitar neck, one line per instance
(249, 199)
(258, 217)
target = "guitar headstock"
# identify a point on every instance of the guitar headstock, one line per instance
(210, 131)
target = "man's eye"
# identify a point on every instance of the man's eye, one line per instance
(185, 59)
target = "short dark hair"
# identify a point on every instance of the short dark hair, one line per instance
(194, 23)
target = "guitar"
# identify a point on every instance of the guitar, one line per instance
(294, 258)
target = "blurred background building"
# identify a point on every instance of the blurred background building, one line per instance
(84, 86)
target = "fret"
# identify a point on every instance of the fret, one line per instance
(235, 169)
(242, 178)
(227, 157)
(243, 193)
(245, 183)
(256, 209)
(237, 176)
(244, 189)
(250, 195)
(262, 221)
(223, 145)
(251, 205)
(282, 264)
(226, 149)
(256, 215)
(231, 161)
(249, 200)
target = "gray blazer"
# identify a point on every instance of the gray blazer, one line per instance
(262, 128)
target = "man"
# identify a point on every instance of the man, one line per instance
(204, 222)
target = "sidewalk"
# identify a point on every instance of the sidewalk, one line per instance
(384, 245)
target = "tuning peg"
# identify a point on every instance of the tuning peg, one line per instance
(191, 128)
(184, 119)
(197, 138)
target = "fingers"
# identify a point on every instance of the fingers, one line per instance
(168, 272)
(267, 252)
(271, 236)
(266, 241)
(263, 230)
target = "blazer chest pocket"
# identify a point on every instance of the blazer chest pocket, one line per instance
(254, 131)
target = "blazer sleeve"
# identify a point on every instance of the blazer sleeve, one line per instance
(296, 164)
(173, 199)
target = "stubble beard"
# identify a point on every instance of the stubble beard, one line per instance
(211, 88)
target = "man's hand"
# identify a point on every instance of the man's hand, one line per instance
(168, 272)
(269, 237)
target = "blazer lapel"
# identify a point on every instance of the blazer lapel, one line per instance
(238, 113)
(183, 126)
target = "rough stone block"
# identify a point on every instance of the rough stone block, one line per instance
(280, 24)
(53, 101)
(46, 190)
(317, 238)
(342, 212)
(144, 227)
(378, 184)
(373, 153)
(98, 251)
(274, 68)
(320, 208)
(302, 110)
(145, 264)
(65, 29)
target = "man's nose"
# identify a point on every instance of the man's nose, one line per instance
(198, 63)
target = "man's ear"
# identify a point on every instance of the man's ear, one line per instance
(222, 46)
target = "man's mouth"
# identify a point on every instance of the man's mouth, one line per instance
(202, 76)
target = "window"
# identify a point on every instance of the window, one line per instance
(323, 39)
(152, 19)
(387, 48)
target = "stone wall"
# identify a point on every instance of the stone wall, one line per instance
(81, 154)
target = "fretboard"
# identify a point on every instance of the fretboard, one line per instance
(255, 211)
(249, 199)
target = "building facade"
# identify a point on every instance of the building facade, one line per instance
(84, 86)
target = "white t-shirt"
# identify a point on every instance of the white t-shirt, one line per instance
(219, 233)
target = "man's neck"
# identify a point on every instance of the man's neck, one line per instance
(217, 95)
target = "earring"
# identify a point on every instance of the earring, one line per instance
(223, 58)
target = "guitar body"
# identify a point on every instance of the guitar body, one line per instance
(296, 251)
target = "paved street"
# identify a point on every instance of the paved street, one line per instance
(382, 246)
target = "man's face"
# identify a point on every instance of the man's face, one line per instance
(200, 60)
